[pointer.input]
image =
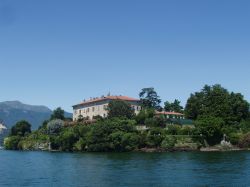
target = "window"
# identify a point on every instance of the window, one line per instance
(80, 112)
(105, 107)
(93, 109)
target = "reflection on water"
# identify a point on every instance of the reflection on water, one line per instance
(124, 169)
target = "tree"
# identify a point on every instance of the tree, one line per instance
(119, 108)
(107, 135)
(80, 118)
(168, 106)
(210, 128)
(55, 126)
(145, 114)
(67, 140)
(11, 143)
(21, 128)
(175, 106)
(58, 114)
(216, 101)
(158, 121)
(150, 99)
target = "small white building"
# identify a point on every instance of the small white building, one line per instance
(98, 106)
(2, 127)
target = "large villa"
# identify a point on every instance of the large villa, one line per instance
(98, 106)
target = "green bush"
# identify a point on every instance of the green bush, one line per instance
(245, 141)
(67, 139)
(173, 129)
(168, 142)
(11, 143)
(155, 137)
(130, 141)
(144, 114)
(234, 138)
(80, 145)
(186, 130)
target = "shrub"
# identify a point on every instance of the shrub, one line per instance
(80, 145)
(67, 139)
(11, 143)
(130, 141)
(144, 114)
(155, 137)
(245, 141)
(155, 122)
(186, 131)
(169, 142)
(173, 129)
(234, 138)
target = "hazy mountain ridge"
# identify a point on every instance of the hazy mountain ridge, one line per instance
(13, 111)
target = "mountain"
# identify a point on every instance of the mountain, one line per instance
(14, 111)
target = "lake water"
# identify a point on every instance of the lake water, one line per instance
(124, 169)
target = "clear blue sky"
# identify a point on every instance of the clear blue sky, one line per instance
(57, 53)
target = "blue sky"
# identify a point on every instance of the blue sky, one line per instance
(56, 53)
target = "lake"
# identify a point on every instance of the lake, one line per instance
(124, 169)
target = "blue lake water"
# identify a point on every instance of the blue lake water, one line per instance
(124, 169)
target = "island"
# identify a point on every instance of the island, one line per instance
(214, 119)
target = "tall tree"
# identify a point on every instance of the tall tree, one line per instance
(150, 99)
(58, 114)
(216, 101)
(21, 128)
(118, 108)
(175, 106)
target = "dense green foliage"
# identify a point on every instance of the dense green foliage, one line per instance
(216, 101)
(175, 106)
(21, 128)
(217, 111)
(58, 114)
(210, 128)
(217, 114)
(12, 142)
(121, 109)
(144, 114)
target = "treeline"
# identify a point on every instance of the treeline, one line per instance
(216, 113)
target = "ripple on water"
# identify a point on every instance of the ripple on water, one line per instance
(124, 169)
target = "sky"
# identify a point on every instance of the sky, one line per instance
(57, 53)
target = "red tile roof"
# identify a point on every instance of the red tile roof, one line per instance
(94, 100)
(170, 113)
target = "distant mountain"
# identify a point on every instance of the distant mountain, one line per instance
(14, 111)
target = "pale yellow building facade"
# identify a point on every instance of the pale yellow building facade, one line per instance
(98, 106)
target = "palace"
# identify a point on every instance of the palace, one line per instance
(98, 106)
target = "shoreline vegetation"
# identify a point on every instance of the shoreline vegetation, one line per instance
(220, 122)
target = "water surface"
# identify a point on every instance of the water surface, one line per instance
(124, 169)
